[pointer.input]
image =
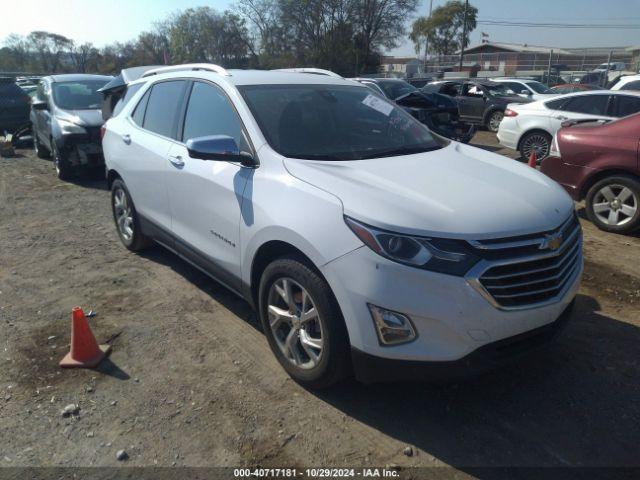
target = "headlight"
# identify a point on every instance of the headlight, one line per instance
(453, 257)
(70, 127)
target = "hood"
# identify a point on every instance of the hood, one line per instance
(84, 118)
(455, 192)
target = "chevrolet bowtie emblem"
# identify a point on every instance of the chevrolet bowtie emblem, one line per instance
(551, 241)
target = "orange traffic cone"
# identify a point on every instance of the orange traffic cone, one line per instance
(85, 351)
(533, 159)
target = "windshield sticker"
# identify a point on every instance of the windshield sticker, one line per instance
(378, 104)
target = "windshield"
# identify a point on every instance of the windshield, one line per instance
(334, 122)
(80, 95)
(396, 88)
(538, 87)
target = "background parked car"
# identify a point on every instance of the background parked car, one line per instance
(66, 118)
(480, 102)
(531, 127)
(599, 163)
(14, 106)
(573, 88)
(627, 82)
(438, 112)
(420, 82)
(525, 87)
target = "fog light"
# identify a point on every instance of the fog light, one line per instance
(392, 328)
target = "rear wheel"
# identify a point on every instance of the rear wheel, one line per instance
(303, 324)
(126, 218)
(493, 122)
(613, 204)
(539, 142)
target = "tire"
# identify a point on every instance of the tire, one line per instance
(537, 141)
(39, 148)
(493, 120)
(61, 163)
(131, 237)
(613, 204)
(332, 361)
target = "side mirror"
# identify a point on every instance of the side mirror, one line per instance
(40, 105)
(525, 92)
(218, 147)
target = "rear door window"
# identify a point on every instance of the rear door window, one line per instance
(624, 105)
(162, 111)
(588, 104)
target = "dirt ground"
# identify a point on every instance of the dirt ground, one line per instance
(192, 382)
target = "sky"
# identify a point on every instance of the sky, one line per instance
(102, 22)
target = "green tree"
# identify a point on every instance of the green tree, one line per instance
(444, 28)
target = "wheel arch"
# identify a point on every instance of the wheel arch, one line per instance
(601, 175)
(267, 253)
(112, 175)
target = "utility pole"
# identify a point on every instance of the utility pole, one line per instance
(426, 42)
(464, 32)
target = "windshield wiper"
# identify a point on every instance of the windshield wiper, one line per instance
(393, 152)
(319, 156)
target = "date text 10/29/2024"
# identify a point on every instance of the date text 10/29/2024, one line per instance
(316, 473)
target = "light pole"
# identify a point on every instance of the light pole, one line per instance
(464, 32)
(426, 42)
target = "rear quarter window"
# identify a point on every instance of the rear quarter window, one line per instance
(131, 91)
(635, 85)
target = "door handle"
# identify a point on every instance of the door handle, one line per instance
(126, 138)
(176, 160)
(562, 117)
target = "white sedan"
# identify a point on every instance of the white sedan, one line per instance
(530, 127)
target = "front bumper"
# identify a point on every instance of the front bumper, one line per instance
(82, 150)
(369, 368)
(452, 318)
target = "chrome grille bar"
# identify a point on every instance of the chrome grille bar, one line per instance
(516, 275)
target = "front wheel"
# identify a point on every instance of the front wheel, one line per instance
(39, 148)
(493, 122)
(61, 163)
(303, 324)
(613, 204)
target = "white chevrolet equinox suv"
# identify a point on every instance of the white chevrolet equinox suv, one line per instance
(366, 243)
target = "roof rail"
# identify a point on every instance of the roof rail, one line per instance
(316, 71)
(209, 67)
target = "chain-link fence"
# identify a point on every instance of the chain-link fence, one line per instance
(569, 64)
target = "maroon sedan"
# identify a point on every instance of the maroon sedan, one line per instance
(600, 163)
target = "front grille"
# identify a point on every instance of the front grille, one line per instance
(520, 281)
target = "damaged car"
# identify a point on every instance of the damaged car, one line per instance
(66, 118)
(438, 112)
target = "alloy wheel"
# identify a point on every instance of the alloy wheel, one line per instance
(535, 143)
(295, 323)
(615, 204)
(123, 214)
(494, 121)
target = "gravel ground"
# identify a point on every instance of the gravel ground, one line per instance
(192, 382)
